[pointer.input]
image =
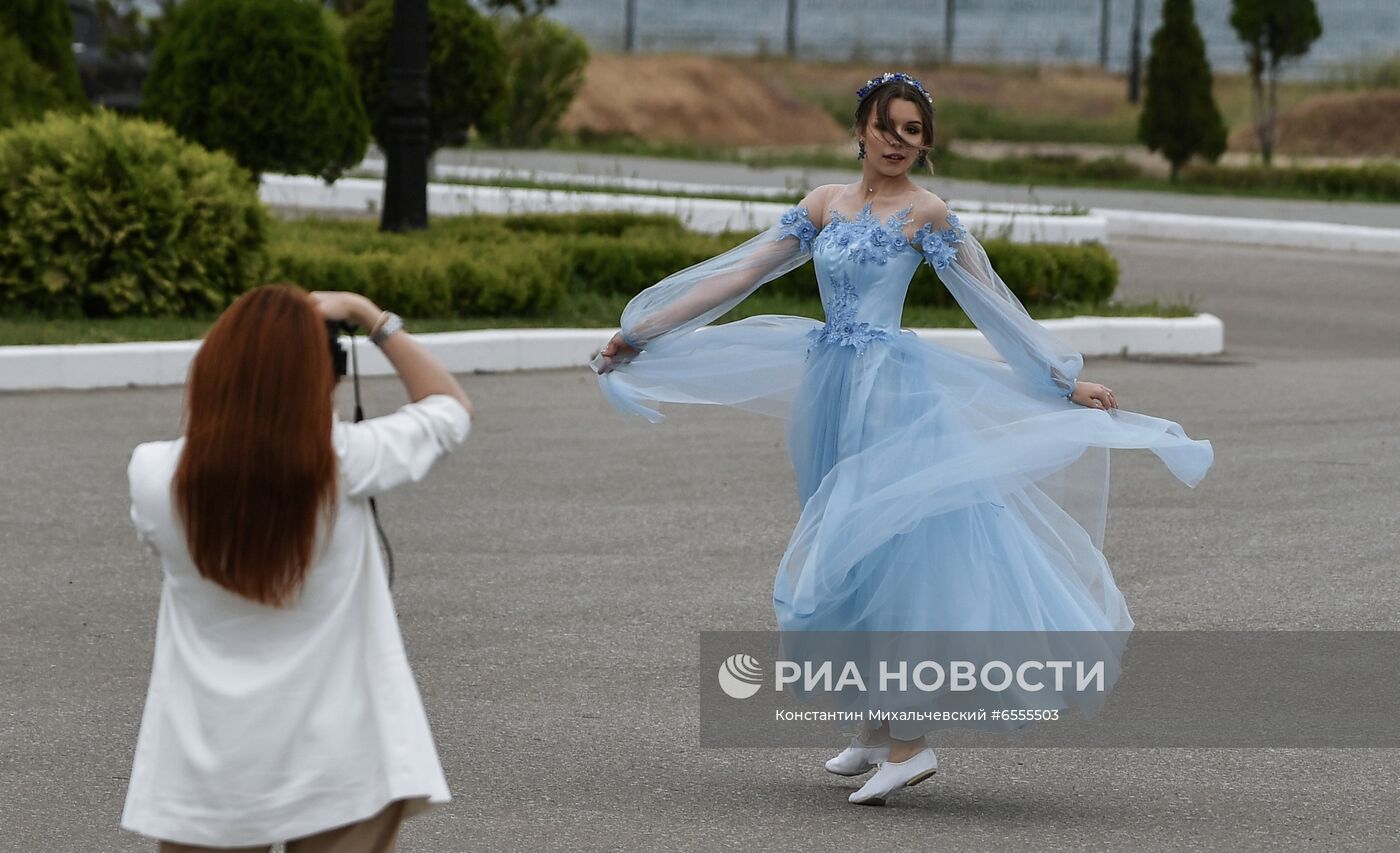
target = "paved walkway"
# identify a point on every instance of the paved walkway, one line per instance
(799, 179)
(554, 575)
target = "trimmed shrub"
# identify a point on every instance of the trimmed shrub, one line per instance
(265, 80)
(478, 268)
(545, 66)
(1374, 181)
(1038, 273)
(466, 66)
(522, 265)
(45, 28)
(108, 217)
(26, 90)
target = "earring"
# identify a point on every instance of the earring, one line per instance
(923, 159)
(860, 149)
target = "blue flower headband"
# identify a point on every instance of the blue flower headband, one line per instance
(889, 76)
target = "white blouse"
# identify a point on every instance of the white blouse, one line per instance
(264, 723)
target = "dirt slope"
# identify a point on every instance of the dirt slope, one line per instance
(696, 99)
(1347, 124)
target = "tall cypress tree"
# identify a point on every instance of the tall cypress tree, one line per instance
(1179, 116)
(45, 27)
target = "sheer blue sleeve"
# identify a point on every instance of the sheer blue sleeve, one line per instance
(1034, 354)
(699, 295)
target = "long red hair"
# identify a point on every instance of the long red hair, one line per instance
(258, 472)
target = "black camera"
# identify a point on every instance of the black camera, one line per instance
(339, 356)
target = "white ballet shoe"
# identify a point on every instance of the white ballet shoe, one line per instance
(858, 758)
(894, 775)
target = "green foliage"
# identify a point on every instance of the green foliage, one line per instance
(1275, 30)
(1040, 274)
(1371, 182)
(1179, 115)
(529, 265)
(106, 217)
(346, 8)
(463, 267)
(546, 62)
(130, 31)
(466, 66)
(45, 27)
(26, 90)
(265, 80)
(1272, 30)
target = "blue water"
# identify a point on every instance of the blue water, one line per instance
(1011, 31)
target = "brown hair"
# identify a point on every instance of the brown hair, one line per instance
(878, 100)
(258, 471)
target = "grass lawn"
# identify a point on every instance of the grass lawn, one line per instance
(577, 312)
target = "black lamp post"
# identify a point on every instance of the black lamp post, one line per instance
(406, 150)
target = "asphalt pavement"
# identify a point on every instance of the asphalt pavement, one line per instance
(554, 575)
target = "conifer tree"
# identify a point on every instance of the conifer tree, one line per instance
(1179, 115)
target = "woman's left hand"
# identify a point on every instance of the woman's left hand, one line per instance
(1094, 395)
(346, 306)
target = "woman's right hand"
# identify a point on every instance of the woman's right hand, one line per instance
(614, 352)
(1094, 396)
(345, 306)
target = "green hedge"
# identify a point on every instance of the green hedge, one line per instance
(102, 216)
(1372, 182)
(486, 265)
(1039, 274)
(1380, 181)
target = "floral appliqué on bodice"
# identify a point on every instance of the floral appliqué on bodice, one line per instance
(865, 237)
(841, 326)
(867, 240)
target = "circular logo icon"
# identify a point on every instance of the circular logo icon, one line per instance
(740, 676)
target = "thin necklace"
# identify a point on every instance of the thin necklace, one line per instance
(868, 191)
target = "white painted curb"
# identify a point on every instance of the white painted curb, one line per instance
(85, 366)
(374, 168)
(1283, 233)
(709, 215)
(1203, 334)
(1021, 222)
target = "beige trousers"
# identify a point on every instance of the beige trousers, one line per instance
(378, 834)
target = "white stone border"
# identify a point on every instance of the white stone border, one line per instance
(374, 168)
(1021, 222)
(85, 366)
(1281, 233)
(709, 215)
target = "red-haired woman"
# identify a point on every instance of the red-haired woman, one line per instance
(281, 704)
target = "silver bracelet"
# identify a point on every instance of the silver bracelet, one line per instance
(388, 323)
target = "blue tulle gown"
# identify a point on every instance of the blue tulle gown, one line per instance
(939, 491)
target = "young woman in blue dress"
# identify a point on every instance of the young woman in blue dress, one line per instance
(939, 491)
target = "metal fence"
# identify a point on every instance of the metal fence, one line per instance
(1078, 32)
